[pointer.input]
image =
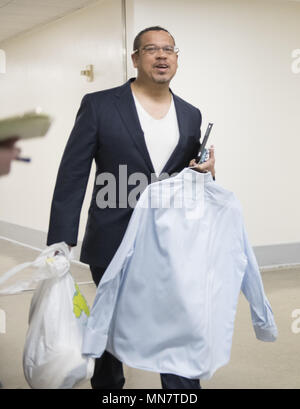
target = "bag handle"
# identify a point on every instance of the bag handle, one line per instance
(54, 261)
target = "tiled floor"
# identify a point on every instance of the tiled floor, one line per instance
(253, 364)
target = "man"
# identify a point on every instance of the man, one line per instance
(144, 126)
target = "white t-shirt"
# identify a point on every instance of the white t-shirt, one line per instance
(161, 135)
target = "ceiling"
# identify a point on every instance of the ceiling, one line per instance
(17, 16)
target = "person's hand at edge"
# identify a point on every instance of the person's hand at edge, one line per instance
(8, 152)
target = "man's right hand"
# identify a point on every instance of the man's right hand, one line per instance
(57, 252)
(207, 166)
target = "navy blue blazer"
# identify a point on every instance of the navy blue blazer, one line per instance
(107, 130)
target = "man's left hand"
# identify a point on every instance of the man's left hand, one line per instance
(208, 166)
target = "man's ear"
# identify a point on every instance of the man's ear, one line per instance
(134, 57)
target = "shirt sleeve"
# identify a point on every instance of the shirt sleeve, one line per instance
(96, 332)
(252, 287)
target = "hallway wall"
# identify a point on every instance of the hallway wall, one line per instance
(43, 69)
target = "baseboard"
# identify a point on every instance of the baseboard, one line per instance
(269, 257)
(32, 238)
(285, 255)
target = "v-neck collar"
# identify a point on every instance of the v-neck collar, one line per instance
(125, 104)
(148, 115)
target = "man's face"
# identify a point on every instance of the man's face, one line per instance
(159, 67)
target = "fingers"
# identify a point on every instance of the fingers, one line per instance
(212, 152)
(204, 167)
(6, 156)
(8, 152)
(207, 166)
(16, 153)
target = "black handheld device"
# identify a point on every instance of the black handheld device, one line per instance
(202, 151)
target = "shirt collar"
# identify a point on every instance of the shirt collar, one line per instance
(196, 176)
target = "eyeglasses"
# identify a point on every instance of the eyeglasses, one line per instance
(153, 49)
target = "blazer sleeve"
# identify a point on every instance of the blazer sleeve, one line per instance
(252, 287)
(72, 178)
(96, 332)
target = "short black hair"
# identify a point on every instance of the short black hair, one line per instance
(137, 40)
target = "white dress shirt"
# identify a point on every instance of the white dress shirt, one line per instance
(161, 135)
(167, 301)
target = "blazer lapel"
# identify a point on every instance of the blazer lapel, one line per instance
(127, 110)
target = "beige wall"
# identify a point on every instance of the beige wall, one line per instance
(235, 64)
(43, 69)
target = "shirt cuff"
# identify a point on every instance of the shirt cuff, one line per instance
(268, 334)
(94, 343)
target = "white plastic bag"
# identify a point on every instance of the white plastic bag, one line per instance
(58, 314)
